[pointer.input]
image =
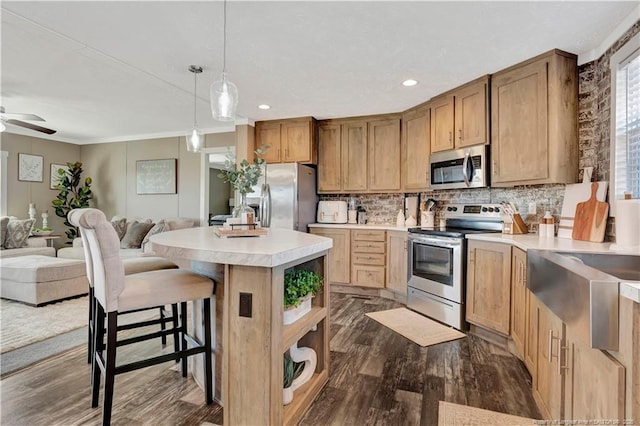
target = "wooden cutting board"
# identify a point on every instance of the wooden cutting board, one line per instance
(591, 218)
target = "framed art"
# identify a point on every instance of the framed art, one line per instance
(156, 176)
(54, 174)
(30, 167)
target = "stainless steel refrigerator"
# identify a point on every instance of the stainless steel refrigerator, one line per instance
(286, 196)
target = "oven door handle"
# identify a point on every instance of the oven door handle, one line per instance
(465, 165)
(437, 242)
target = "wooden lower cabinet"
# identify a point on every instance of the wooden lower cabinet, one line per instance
(547, 387)
(594, 383)
(489, 285)
(397, 256)
(339, 255)
(368, 253)
(519, 299)
(531, 338)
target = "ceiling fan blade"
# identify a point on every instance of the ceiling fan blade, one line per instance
(21, 116)
(30, 126)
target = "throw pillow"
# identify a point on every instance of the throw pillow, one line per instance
(120, 225)
(18, 232)
(136, 232)
(161, 226)
(4, 221)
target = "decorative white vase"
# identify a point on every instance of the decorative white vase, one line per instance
(294, 314)
(310, 359)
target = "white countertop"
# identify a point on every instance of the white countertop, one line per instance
(533, 242)
(380, 226)
(280, 246)
(526, 242)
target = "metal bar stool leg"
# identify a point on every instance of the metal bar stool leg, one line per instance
(183, 332)
(110, 367)
(163, 327)
(208, 367)
(98, 345)
(176, 330)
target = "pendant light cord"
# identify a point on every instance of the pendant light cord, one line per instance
(195, 76)
(224, 39)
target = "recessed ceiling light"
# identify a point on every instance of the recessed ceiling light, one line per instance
(264, 106)
(409, 83)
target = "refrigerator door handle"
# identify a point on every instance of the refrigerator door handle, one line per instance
(265, 209)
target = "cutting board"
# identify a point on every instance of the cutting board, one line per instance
(574, 194)
(591, 218)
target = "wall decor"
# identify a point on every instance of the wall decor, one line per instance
(54, 174)
(156, 176)
(30, 167)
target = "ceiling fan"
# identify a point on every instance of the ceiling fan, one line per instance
(16, 120)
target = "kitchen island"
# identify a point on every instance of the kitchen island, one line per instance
(250, 336)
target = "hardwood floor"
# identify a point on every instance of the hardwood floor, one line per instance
(377, 377)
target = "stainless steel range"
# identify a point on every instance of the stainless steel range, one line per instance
(437, 261)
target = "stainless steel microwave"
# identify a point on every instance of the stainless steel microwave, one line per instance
(460, 168)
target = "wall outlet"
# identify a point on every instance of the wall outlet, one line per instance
(532, 208)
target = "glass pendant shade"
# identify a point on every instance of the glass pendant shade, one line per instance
(195, 140)
(224, 99)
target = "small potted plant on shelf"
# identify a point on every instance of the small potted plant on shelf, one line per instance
(291, 371)
(299, 286)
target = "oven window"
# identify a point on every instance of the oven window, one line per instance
(433, 263)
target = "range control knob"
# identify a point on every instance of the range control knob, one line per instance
(497, 210)
(490, 209)
(484, 209)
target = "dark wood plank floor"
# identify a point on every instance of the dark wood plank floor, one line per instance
(377, 377)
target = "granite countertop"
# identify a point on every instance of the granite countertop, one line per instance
(380, 226)
(280, 246)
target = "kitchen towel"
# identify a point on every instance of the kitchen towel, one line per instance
(627, 224)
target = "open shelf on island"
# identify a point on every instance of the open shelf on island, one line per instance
(294, 332)
(303, 396)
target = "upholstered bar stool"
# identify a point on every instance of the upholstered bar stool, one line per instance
(116, 292)
(132, 265)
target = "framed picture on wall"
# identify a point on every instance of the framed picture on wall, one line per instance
(156, 176)
(54, 174)
(30, 167)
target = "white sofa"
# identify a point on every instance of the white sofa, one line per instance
(77, 252)
(37, 246)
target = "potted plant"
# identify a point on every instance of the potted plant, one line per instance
(243, 177)
(299, 286)
(74, 194)
(299, 366)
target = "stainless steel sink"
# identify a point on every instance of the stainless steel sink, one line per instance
(582, 289)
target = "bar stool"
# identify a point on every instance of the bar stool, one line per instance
(131, 266)
(116, 292)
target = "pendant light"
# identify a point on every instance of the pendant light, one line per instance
(224, 94)
(195, 139)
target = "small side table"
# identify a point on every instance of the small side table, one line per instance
(48, 238)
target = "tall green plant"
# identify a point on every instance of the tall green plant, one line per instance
(73, 194)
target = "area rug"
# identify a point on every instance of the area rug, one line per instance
(458, 415)
(22, 325)
(415, 327)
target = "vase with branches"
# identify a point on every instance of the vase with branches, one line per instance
(243, 177)
(75, 193)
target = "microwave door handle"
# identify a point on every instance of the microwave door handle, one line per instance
(465, 165)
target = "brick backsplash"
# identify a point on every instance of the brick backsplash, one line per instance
(594, 98)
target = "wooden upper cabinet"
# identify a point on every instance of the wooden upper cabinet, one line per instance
(472, 113)
(329, 154)
(534, 121)
(290, 141)
(384, 155)
(354, 156)
(416, 146)
(460, 117)
(268, 133)
(359, 154)
(489, 285)
(442, 123)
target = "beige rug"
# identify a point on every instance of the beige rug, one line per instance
(461, 415)
(21, 325)
(415, 327)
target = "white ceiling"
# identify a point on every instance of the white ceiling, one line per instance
(112, 71)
